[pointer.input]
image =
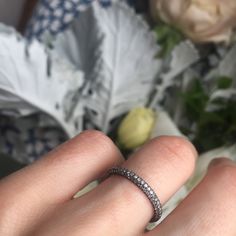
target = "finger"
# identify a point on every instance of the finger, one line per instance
(58, 176)
(210, 209)
(117, 206)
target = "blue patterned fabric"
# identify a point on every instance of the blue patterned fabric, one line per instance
(25, 141)
(54, 16)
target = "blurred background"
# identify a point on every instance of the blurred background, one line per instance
(11, 11)
(15, 13)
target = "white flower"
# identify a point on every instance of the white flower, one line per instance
(201, 20)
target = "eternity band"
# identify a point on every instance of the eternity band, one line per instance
(143, 185)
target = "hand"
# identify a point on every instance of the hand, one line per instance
(38, 200)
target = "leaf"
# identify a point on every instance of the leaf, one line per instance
(182, 57)
(168, 37)
(212, 116)
(226, 68)
(195, 100)
(226, 71)
(224, 82)
(80, 44)
(32, 81)
(122, 52)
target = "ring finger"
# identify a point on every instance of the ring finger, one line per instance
(117, 206)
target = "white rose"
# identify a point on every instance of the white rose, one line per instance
(201, 20)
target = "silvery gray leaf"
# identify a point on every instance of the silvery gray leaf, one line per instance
(177, 104)
(182, 57)
(126, 65)
(33, 81)
(227, 66)
(222, 94)
(80, 43)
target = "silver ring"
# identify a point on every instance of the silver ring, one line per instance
(143, 185)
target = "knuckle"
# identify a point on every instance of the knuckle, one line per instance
(96, 136)
(178, 148)
(225, 173)
(87, 143)
(102, 145)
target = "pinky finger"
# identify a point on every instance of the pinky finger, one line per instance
(210, 209)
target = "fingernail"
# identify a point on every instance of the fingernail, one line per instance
(219, 161)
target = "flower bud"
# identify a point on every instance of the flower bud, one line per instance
(136, 128)
(201, 20)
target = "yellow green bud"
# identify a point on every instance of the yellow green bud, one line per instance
(136, 128)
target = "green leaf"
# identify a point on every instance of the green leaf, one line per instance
(224, 82)
(168, 37)
(212, 129)
(195, 100)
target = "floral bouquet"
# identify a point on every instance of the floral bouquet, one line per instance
(132, 69)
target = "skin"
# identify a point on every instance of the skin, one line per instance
(38, 200)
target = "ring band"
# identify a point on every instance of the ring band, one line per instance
(143, 185)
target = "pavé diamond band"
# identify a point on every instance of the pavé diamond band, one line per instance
(143, 185)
